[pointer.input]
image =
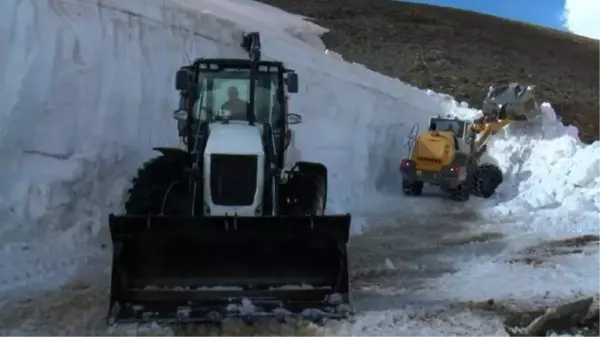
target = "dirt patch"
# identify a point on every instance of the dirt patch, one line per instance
(394, 246)
(71, 309)
(80, 308)
(537, 255)
(578, 317)
(472, 238)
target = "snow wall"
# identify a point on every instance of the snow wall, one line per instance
(88, 89)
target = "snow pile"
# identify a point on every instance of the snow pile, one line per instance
(548, 171)
(561, 168)
(550, 192)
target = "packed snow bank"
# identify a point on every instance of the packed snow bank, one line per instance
(548, 171)
(88, 89)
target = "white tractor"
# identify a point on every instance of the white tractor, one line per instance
(225, 211)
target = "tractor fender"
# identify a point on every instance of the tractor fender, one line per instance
(312, 168)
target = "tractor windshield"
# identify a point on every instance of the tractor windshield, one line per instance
(229, 89)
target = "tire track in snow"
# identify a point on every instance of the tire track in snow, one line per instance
(394, 260)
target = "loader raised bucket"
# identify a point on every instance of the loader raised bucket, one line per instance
(178, 269)
(513, 101)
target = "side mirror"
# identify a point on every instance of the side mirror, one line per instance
(183, 79)
(292, 83)
(293, 119)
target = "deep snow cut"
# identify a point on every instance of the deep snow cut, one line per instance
(88, 90)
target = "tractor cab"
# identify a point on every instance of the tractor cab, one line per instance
(217, 83)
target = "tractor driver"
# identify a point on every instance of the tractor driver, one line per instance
(238, 107)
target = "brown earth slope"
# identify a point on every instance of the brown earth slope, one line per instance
(461, 53)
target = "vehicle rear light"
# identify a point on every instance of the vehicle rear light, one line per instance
(405, 163)
(455, 169)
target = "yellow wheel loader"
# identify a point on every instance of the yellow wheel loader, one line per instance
(222, 228)
(448, 154)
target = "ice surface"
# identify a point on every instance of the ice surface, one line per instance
(87, 91)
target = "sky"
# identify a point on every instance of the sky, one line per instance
(581, 17)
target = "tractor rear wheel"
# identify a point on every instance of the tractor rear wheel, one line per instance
(159, 188)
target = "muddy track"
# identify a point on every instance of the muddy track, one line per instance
(391, 264)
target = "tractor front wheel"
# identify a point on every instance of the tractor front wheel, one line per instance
(159, 188)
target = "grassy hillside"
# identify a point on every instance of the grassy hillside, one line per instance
(461, 53)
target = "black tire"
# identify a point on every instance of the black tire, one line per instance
(486, 179)
(414, 188)
(156, 178)
(462, 192)
(306, 194)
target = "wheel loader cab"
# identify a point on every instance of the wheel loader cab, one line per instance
(456, 127)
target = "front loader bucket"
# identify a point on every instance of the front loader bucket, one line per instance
(512, 101)
(178, 269)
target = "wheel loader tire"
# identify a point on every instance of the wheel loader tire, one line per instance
(462, 192)
(414, 188)
(486, 179)
(158, 188)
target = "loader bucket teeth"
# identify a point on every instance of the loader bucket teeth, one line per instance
(180, 269)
